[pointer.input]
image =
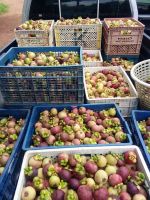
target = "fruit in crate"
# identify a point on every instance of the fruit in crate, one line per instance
(78, 126)
(106, 84)
(46, 59)
(144, 127)
(75, 176)
(35, 25)
(90, 57)
(123, 62)
(121, 23)
(79, 20)
(10, 129)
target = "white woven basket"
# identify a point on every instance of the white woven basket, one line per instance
(140, 73)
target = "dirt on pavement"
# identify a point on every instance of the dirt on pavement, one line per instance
(10, 20)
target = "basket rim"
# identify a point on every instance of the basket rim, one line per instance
(135, 78)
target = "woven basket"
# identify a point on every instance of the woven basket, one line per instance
(140, 73)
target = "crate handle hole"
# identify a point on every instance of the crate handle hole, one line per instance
(32, 35)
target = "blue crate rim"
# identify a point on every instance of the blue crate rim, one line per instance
(135, 124)
(47, 106)
(23, 49)
(13, 154)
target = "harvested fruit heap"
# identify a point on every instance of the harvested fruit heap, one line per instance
(90, 57)
(144, 127)
(106, 84)
(78, 126)
(122, 23)
(123, 62)
(46, 59)
(10, 129)
(35, 25)
(96, 177)
(79, 20)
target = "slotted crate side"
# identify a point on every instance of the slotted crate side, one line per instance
(123, 35)
(87, 36)
(97, 107)
(35, 37)
(126, 104)
(11, 164)
(141, 165)
(61, 84)
(131, 49)
(139, 115)
(51, 88)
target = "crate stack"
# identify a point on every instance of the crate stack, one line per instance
(49, 72)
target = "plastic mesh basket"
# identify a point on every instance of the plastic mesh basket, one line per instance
(87, 36)
(140, 74)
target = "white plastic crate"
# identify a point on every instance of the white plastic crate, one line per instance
(85, 150)
(87, 36)
(93, 63)
(26, 38)
(126, 104)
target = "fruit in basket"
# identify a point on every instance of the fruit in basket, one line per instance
(107, 84)
(98, 185)
(122, 23)
(144, 127)
(9, 132)
(90, 57)
(35, 25)
(79, 20)
(28, 193)
(46, 59)
(77, 126)
(123, 62)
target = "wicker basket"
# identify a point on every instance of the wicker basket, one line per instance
(87, 36)
(140, 73)
(122, 40)
(26, 38)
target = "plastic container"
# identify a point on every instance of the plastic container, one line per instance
(87, 36)
(140, 73)
(122, 40)
(10, 174)
(86, 151)
(97, 107)
(59, 84)
(126, 104)
(28, 38)
(93, 63)
(139, 115)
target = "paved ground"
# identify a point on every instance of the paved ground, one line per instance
(10, 20)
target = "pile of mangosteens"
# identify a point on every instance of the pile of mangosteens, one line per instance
(106, 83)
(123, 62)
(122, 23)
(10, 129)
(35, 25)
(77, 21)
(89, 57)
(79, 177)
(144, 127)
(46, 59)
(78, 126)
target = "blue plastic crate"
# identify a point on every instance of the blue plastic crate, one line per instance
(60, 84)
(139, 115)
(97, 107)
(12, 166)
